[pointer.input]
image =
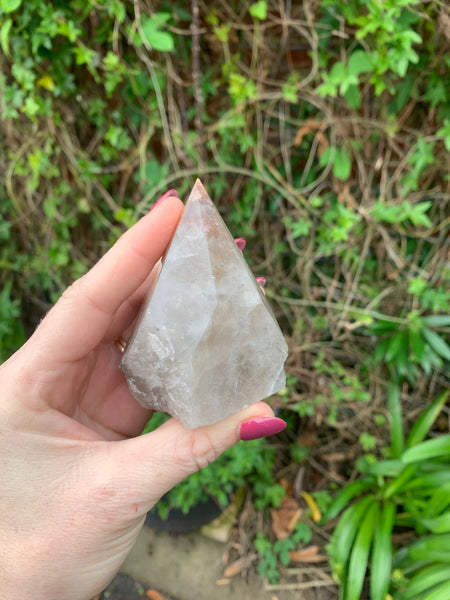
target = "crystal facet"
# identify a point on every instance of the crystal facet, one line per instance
(206, 343)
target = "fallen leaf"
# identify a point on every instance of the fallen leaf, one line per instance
(307, 555)
(223, 581)
(315, 511)
(238, 565)
(287, 486)
(285, 518)
(154, 595)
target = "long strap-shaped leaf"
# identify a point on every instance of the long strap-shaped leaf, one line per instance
(360, 553)
(381, 560)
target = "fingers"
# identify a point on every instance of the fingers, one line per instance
(152, 464)
(84, 314)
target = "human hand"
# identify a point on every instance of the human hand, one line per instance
(75, 481)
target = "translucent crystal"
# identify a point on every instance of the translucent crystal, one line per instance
(206, 343)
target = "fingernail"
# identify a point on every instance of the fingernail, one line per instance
(261, 281)
(240, 243)
(260, 427)
(166, 195)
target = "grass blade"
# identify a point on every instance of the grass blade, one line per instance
(381, 561)
(360, 553)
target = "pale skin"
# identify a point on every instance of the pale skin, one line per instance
(76, 478)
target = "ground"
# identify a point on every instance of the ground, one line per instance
(168, 566)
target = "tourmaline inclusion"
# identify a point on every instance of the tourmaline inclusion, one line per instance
(206, 343)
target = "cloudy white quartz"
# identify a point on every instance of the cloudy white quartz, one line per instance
(206, 343)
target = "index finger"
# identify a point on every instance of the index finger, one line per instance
(80, 319)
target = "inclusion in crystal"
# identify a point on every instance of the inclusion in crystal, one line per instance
(206, 343)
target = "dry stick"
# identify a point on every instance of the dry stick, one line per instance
(198, 96)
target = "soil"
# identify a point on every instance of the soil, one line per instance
(168, 566)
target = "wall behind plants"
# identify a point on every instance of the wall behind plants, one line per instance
(322, 131)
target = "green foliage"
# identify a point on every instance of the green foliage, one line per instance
(409, 489)
(272, 554)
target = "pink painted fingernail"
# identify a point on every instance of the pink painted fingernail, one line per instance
(166, 195)
(260, 427)
(261, 281)
(240, 243)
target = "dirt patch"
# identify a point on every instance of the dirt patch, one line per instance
(189, 567)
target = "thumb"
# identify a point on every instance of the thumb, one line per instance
(150, 465)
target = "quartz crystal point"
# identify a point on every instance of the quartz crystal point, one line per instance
(206, 343)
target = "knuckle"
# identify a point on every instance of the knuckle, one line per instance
(201, 450)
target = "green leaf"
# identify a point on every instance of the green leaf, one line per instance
(343, 536)
(381, 561)
(259, 10)
(439, 524)
(360, 62)
(437, 320)
(345, 496)
(431, 547)
(8, 6)
(395, 419)
(425, 579)
(424, 422)
(4, 36)
(162, 41)
(381, 468)
(438, 344)
(360, 553)
(342, 164)
(441, 592)
(438, 501)
(430, 449)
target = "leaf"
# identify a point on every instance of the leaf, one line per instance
(285, 518)
(381, 561)
(424, 422)
(395, 418)
(238, 565)
(441, 592)
(440, 524)
(342, 164)
(345, 496)
(308, 555)
(359, 62)
(4, 36)
(425, 579)
(437, 320)
(438, 501)
(315, 512)
(8, 6)
(360, 553)
(154, 595)
(439, 446)
(438, 344)
(162, 41)
(343, 536)
(259, 10)
(46, 82)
